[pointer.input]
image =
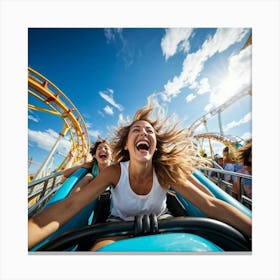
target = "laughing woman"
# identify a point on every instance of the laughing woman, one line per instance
(150, 155)
(101, 158)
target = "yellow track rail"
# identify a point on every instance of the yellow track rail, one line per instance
(60, 105)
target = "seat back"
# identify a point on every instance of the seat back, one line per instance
(102, 208)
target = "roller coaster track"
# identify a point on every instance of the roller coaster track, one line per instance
(218, 109)
(57, 103)
(227, 140)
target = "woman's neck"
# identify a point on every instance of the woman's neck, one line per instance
(141, 177)
(140, 169)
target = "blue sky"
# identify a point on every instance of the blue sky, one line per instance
(109, 73)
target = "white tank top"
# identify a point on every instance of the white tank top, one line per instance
(127, 204)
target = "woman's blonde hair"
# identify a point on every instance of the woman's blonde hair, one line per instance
(244, 152)
(175, 156)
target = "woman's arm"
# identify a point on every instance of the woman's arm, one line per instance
(216, 208)
(236, 189)
(69, 171)
(52, 218)
(196, 182)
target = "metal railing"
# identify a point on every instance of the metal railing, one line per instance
(216, 176)
(41, 190)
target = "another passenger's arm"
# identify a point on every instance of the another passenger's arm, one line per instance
(52, 218)
(236, 189)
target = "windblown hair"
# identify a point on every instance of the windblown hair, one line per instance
(244, 152)
(175, 156)
(229, 154)
(95, 146)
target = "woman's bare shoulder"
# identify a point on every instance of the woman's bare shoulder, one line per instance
(113, 171)
(114, 168)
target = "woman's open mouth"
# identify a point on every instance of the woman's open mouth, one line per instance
(143, 146)
(103, 156)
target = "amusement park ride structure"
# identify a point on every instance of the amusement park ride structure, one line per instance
(57, 103)
(227, 140)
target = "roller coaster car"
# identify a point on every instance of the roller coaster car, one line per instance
(187, 231)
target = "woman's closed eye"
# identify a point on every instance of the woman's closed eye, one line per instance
(147, 130)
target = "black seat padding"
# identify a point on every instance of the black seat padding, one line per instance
(102, 208)
(175, 207)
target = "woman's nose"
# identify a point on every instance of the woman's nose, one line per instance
(143, 132)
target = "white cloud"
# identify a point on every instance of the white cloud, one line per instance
(115, 35)
(161, 108)
(46, 139)
(100, 113)
(33, 118)
(112, 33)
(233, 124)
(88, 125)
(203, 86)
(173, 88)
(223, 38)
(175, 39)
(123, 121)
(238, 78)
(246, 136)
(108, 110)
(94, 133)
(194, 62)
(190, 97)
(108, 95)
(208, 107)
